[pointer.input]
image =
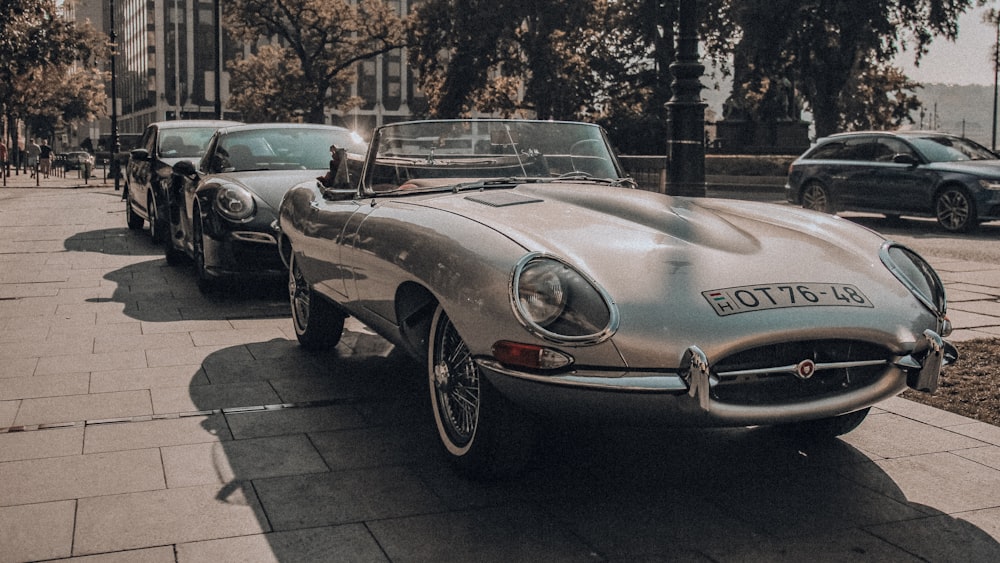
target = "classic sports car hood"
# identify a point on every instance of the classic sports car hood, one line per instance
(269, 185)
(660, 258)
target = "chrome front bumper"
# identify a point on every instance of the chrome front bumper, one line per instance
(687, 392)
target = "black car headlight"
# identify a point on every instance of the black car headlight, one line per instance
(917, 275)
(557, 302)
(234, 203)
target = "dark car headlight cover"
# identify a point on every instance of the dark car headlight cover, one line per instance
(557, 302)
(917, 275)
(234, 203)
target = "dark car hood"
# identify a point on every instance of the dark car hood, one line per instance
(269, 185)
(987, 168)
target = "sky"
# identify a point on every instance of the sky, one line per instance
(967, 60)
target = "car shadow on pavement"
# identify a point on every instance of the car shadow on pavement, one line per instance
(336, 452)
(347, 459)
(154, 291)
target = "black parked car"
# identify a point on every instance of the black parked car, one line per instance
(223, 214)
(150, 167)
(923, 174)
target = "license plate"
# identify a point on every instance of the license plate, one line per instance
(747, 298)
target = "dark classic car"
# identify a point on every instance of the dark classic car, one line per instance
(914, 173)
(150, 169)
(223, 214)
(532, 279)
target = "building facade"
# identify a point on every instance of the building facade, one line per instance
(166, 64)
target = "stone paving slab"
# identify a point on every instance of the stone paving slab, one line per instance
(156, 424)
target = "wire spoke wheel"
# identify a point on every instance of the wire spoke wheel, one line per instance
(456, 388)
(319, 325)
(484, 434)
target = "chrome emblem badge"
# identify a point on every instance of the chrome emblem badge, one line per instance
(805, 369)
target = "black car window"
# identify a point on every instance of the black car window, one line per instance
(888, 148)
(856, 148)
(941, 148)
(832, 150)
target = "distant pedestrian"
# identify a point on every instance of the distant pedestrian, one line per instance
(33, 151)
(3, 157)
(44, 159)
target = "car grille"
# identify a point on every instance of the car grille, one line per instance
(758, 376)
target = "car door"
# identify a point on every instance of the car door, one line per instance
(901, 183)
(853, 179)
(321, 249)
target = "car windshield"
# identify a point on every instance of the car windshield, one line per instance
(939, 148)
(441, 154)
(295, 148)
(189, 142)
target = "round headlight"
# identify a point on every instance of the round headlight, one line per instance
(917, 275)
(234, 203)
(556, 302)
(540, 293)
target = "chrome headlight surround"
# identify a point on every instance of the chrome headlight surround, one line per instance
(234, 203)
(916, 274)
(557, 302)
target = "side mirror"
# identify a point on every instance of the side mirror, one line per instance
(186, 168)
(907, 159)
(139, 154)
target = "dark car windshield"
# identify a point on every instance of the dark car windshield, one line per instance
(293, 148)
(440, 154)
(189, 142)
(940, 148)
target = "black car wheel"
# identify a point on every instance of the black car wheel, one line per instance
(133, 220)
(955, 210)
(206, 282)
(318, 323)
(157, 222)
(816, 197)
(484, 434)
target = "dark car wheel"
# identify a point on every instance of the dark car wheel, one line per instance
(816, 197)
(174, 255)
(207, 283)
(955, 210)
(484, 435)
(133, 220)
(318, 323)
(157, 222)
(829, 427)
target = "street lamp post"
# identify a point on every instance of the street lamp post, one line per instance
(685, 111)
(115, 143)
(996, 73)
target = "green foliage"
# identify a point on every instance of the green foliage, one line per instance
(313, 62)
(835, 52)
(589, 59)
(37, 52)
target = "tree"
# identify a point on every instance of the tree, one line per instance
(37, 53)
(577, 60)
(829, 49)
(315, 50)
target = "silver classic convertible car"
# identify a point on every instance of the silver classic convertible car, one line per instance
(519, 263)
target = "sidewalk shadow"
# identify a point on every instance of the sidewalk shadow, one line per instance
(154, 291)
(360, 469)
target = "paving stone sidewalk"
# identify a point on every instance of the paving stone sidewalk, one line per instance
(141, 421)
